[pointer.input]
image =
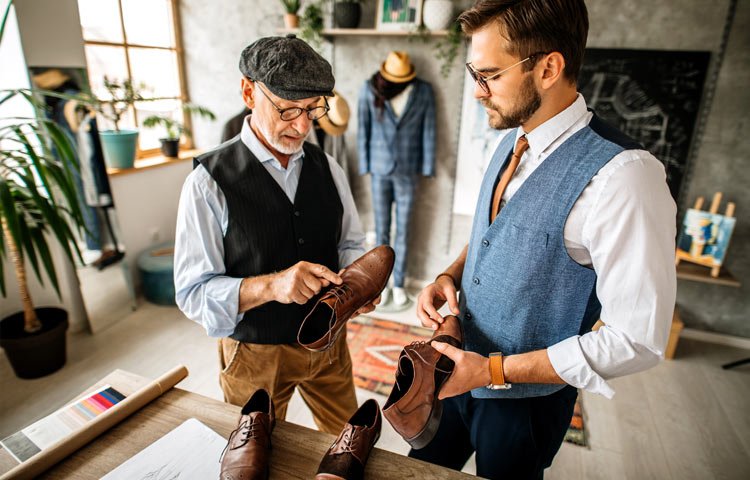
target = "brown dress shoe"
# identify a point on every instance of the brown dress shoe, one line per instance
(346, 458)
(363, 281)
(413, 407)
(249, 447)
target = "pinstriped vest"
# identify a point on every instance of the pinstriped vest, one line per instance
(520, 289)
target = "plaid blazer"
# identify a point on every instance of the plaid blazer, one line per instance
(393, 145)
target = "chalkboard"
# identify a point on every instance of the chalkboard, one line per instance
(653, 96)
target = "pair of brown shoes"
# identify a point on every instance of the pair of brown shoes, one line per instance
(413, 407)
(249, 447)
(246, 456)
(363, 281)
(346, 458)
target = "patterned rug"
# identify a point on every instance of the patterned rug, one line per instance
(375, 345)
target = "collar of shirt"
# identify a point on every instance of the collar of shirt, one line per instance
(545, 134)
(248, 137)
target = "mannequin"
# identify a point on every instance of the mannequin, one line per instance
(396, 145)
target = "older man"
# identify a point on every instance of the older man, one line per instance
(265, 222)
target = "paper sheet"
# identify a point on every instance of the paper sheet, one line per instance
(190, 451)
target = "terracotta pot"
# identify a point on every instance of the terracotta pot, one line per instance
(291, 20)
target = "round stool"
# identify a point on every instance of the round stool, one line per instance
(156, 266)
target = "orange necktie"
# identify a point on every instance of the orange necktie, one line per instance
(521, 145)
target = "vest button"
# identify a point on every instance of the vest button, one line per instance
(296, 213)
(467, 316)
(486, 243)
(301, 241)
(476, 281)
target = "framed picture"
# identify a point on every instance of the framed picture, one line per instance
(704, 237)
(398, 14)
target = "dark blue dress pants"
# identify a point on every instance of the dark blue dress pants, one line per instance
(514, 438)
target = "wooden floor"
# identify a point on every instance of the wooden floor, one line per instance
(685, 419)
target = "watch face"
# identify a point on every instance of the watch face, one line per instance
(502, 386)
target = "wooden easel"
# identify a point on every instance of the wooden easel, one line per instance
(681, 255)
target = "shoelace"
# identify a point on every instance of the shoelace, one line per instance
(406, 350)
(250, 432)
(341, 294)
(350, 436)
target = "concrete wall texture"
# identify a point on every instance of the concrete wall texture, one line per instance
(214, 34)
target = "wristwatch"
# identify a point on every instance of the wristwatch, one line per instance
(497, 377)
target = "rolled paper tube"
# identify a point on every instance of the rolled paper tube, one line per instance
(68, 445)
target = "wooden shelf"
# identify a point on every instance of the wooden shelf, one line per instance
(154, 161)
(699, 273)
(365, 32)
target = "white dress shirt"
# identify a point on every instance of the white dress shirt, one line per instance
(622, 226)
(203, 291)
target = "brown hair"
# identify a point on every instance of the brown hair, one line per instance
(533, 26)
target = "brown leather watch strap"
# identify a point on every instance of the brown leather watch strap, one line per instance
(496, 369)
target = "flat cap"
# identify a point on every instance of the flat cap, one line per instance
(288, 66)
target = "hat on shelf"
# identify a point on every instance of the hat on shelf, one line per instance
(288, 66)
(335, 123)
(398, 68)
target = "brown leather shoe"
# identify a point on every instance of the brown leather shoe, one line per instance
(246, 455)
(346, 458)
(413, 407)
(363, 281)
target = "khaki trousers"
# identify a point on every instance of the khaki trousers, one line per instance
(324, 379)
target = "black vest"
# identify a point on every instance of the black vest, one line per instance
(267, 233)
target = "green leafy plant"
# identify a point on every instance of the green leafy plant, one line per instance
(291, 6)
(447, 48)
(37, 195)
(37, 198)
(120, 97)
(311, 25)
(175, 128)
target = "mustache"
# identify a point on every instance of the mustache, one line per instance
(293, 133)
(488, 104)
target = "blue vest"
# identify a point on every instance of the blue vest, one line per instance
(520, 290)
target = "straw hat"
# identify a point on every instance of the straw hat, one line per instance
(398, 68)
(50, 79)
(335, 123)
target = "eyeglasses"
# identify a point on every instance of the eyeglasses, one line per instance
(289, 114)
(482, 80)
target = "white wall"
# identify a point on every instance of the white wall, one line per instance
(146, 206)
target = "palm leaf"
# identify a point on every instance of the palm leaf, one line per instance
(41, 244)
(5, 19)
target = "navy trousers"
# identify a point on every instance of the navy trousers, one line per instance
(385, 191)
(513, 438)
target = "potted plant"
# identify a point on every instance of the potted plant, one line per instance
(311, 25)
(174, 128)
(38, 203)
(118, 145)
(346, 13)
(291, 20)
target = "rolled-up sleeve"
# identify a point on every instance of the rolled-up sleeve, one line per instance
(630, 233)
(202, 290)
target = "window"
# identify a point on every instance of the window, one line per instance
(139, 40)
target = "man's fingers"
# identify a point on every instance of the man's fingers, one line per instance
(313, 283)
(377, 301)
(433, 313)
(448, 350)
(322, 271)
(450, 295)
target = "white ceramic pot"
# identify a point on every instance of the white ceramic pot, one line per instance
(437, 14)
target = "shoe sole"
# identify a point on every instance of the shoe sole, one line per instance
(428, 432)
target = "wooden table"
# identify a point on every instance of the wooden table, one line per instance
(296, 450)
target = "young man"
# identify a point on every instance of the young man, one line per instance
(265, 222)
(574, 221)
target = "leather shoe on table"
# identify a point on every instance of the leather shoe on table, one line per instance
(413, 407)
(346, 458)
(249, 447)
(363, 281)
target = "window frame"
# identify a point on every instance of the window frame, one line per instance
(187, 143)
